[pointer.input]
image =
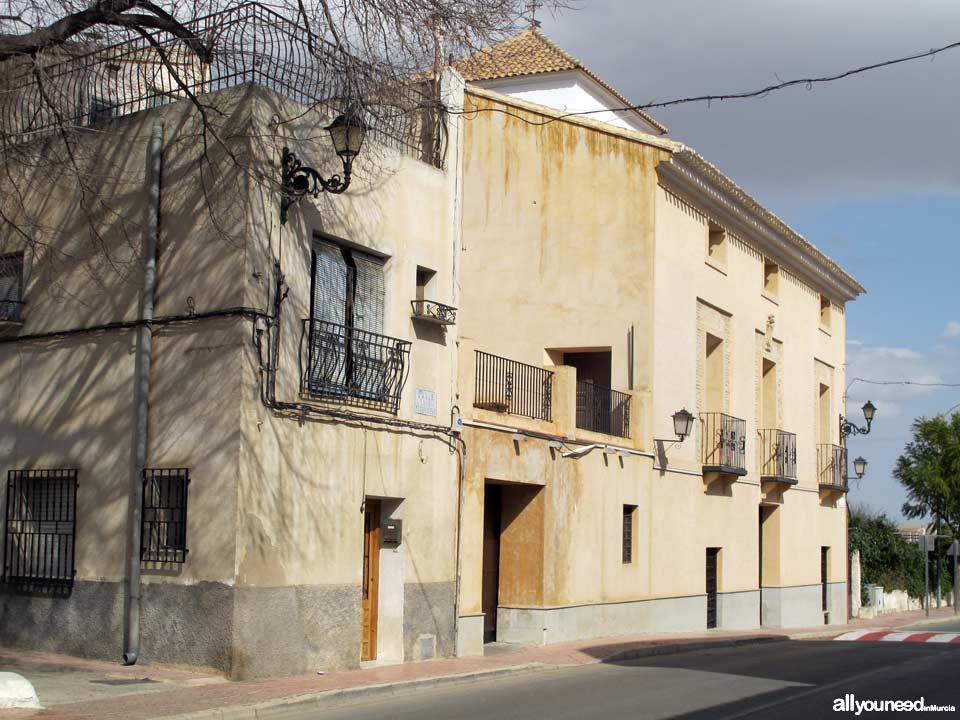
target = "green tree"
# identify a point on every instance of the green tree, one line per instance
(929, 469)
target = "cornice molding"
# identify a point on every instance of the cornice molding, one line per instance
(725, 208)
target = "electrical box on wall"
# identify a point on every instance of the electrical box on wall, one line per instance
(392, 531)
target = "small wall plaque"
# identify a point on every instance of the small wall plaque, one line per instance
(425, 402)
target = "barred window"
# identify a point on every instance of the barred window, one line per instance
(163, 522)
(628, 514)
(11, 286)
(39, 541)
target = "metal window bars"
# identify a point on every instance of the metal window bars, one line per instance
(76, 86)
(40, 537)
(778, 456)
(11, 287)
(832, 467)
(724, 443)
(602, 410)
(508, 386)
(163, 520)
(353, 366)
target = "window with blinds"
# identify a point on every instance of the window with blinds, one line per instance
(349, 357)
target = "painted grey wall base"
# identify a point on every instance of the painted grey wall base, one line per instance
(738, 610)
(801, 606)
(184, 624)
(246, 632)
(837, 603)
(428, 620)
(294, 629)
(544, 626)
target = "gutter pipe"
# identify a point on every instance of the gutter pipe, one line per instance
(141, 388)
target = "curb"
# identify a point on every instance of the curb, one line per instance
(279, 708)
(677, 648)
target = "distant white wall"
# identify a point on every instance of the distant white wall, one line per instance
(572, 91)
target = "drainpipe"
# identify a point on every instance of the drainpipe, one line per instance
(141, 387)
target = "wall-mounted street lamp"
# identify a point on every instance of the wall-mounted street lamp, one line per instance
(682, 424)
(682, 427)
(848, 428)
(347, 133)
(860, 467)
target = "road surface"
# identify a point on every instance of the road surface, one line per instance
(783, 680)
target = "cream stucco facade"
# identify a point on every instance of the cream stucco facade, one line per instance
(582, 238)
(602, 277)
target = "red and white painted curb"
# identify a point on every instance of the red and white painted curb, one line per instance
(890, 636)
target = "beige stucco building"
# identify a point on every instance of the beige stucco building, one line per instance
(618, 277)
(421, 414)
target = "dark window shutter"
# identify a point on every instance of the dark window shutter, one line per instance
(369, 297)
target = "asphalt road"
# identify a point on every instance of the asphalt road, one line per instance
(783, 680)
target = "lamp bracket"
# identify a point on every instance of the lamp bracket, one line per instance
(298, 180)
(848, 428)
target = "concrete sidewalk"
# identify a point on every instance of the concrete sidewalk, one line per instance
(70, 688)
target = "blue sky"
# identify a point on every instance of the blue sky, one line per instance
(866, 168)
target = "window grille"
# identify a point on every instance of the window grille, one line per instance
(628, 512)
(163, 522)
(40, 536)
(11, 286)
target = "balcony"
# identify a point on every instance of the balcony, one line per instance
(11, 311)
(434, 312)
(508, 386)
(724, 440)
(352, 366)
(778, 457)
(602, 410)
(832, 468)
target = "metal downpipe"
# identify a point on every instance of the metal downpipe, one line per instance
(144, 356)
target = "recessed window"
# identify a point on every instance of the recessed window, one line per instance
(163, 528)
(40, 527)
(716, 244)
(771, 278)
(424, 279)
(11, 287)
(826, 311)
(629, 513)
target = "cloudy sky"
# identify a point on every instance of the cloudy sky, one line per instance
(867, 168)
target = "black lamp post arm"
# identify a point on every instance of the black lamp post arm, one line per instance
(298, 180)
(848, 428)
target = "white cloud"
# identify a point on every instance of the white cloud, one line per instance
(952, 329)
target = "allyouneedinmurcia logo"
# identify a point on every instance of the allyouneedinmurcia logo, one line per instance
(849, 703)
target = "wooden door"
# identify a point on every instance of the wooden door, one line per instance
(490, 587)
(712, 587)
(371, 578)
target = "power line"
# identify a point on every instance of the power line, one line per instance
(915, 383)
(809, 82)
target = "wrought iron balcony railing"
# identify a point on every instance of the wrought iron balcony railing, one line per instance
(11, 311)
(724, 443)
(778, 456)
(832, 467)
(508, 386)
(603, 410)
(434, 312)
(354, 366)
(83, 85)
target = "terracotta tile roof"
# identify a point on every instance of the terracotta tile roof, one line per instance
(532, 53)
